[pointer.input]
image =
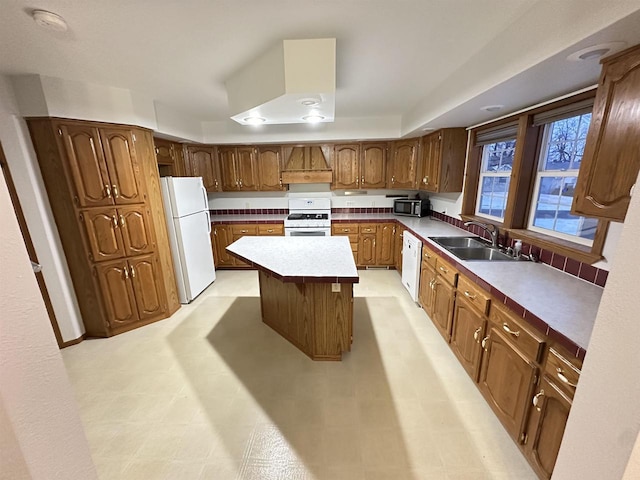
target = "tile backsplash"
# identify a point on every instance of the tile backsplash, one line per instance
(568, 265)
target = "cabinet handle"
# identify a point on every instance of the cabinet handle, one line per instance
(107, 191)
(444, 270)
(243, 231)
(362, 180)
(537, 400)
(240, 183)
(469, 296)
(115, 191)
(345, 230)
(133, 272)
(215, 183)
(270, 230)
(506, 328)
(564, 379)
(426, 255)
(484, 343)
(424, 180)
(393, 179)
(126, 272)
(476, 334)
(122, 222)
(435, 284)
(280, 182)
(114, 219)
(357, 180)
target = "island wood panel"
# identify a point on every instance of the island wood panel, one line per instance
(309, 315)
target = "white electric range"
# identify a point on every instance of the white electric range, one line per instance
(308, 217)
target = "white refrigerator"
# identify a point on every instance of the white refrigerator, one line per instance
(189, 225)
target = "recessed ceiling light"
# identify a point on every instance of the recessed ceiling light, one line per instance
(595, 52)
(49, 20)
(428, 129)
(310, 102)
(313, 118)
(254, 120)
(492, 108)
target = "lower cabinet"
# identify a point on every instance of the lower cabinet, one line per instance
(132, 290)
(351, 230)
(397, 247)
(224, 235)
(443, 297)
(376, 245)
(425, 293)
(467, 333)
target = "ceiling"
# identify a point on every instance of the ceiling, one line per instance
(397, 58)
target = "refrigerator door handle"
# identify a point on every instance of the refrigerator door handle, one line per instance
(208, 221)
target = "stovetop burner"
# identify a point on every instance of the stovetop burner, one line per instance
(308, 216)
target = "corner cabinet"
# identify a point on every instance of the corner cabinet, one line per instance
(403, 165)
(103, 186)
(442, 157)
(611, 158)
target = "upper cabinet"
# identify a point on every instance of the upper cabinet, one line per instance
(239, 169)
(270, 168)
(403, 164)
(169, 157)
(360, 165)
(202, 162)
(612, 153)
(442, 160)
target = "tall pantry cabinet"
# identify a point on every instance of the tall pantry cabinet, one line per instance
(104, 190)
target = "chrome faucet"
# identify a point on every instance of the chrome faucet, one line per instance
(490, 228)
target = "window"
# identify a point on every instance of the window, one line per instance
(558, 164)
(495, 174)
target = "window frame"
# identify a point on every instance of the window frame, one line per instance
(529, 140)
(498, 174)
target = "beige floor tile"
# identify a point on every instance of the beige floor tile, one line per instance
(147, 469)
(384, 449)
(343, 447)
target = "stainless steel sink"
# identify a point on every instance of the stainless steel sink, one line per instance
(481, 253)
(471, 248)
(459, 242)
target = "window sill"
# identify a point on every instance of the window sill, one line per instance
(582, 253)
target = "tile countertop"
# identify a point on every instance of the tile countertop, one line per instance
(563, 303)
(251, 218)
(295, 259)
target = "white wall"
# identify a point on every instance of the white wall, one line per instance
(605, 418)
(38, 411)
(35, 204)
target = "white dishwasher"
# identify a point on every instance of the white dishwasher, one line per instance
(411, 258)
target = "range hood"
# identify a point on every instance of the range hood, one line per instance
(307, 164)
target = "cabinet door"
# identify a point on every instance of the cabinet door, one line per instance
(202, 163)
(228, 172)
(103, 234)
(373, 165)
(147, 286)
(429, 171)
(117, 292)
(425, 293)
(222, 238)
(122, 165)
(546, 427)
(270, 168)
(507, 379)
(467, 333)
(403, 165)
(398, 248)
(346, 166)
(443, 298)
(137, 232)
(247, 168)
(611, 156)
(367, 249)
(164, 151)
(384, 245)
(87, 164)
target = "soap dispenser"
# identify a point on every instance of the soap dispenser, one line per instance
(517, 248)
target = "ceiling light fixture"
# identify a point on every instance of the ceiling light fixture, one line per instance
(428, 129)
(254, 120)
(310, 102)
(595, 52)
(49, 20)
(492, 108)
(313, 118)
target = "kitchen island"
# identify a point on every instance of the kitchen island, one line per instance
(306, 289)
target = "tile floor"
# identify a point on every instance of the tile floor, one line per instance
(212, 393)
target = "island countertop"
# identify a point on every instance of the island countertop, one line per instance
(299, 259)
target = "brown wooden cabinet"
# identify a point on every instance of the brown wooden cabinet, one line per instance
(425, 293)
(170, 158)
(367, 246)
(221, 238)
(203, 162)
(104, 190)
(442, 160)
(443, 297)
(239, 169)
(269, 159)
(384, 244)
(359, 166)
(397, 247)
(467, 333)
(375, 244)
(611, 157)
(403, 165)
(351, 230)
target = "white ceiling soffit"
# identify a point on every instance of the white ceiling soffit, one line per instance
(293, 82)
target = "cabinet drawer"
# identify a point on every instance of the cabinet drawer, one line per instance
(244, 229)
(474, 294)
(346, 229)
(563, 372)
(368, 228)
(275, 229)
(428, 255)
(530, 343)
(446, 271)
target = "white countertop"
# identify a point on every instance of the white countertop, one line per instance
(300, 259)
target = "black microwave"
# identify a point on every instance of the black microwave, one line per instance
(412, 208)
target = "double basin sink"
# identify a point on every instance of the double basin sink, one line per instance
(471, 248)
